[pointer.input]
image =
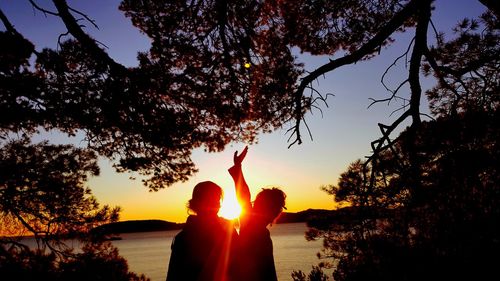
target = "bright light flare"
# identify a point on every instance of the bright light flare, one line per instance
(230, 209)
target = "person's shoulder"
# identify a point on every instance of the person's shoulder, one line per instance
(191, 219)
(190, 224)
(179, 240)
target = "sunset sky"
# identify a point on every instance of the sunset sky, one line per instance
(342, 135)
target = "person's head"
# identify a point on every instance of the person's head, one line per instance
(269, 203)
(206, 198)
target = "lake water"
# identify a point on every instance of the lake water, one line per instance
(149, 252)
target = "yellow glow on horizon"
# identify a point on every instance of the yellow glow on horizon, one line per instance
(230, 209)
(261, 171)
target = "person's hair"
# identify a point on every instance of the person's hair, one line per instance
(270, 202)
(206, 197)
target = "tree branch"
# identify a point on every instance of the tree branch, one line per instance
(88, 43)
(492, 5)
(378, 144)
(368, 48)
(471, 66)
(424, 14)
(405, 54)
(221, 6)
(420, 46)
(44, 11)
(438, 71)
(85, 16)
(8, 26)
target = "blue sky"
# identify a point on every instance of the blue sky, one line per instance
(342, 135)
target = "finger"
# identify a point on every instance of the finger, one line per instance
(244, 152)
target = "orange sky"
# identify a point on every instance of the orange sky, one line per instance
(300, 182)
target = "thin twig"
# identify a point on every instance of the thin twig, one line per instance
(59, 44)
(394, 64)
(44, 11)
(393, 96)
(85, 16)
(308, 129)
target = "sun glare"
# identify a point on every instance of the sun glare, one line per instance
(230, 209)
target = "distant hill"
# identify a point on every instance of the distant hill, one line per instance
(137, 226)
(303, 216)
(314, 217)
(325, 219)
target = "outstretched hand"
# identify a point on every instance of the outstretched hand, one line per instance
(239, 158)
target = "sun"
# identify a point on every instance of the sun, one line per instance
(230, 209)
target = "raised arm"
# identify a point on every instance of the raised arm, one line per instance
(241, 186)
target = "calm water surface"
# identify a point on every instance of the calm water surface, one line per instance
(149, 252)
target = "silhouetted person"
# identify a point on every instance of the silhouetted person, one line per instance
(202, 250)
(254, 259)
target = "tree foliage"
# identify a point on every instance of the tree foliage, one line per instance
(219, 71)
(431, 232)
(95, 262)
(426, 202)
(42, 186)
(43, 194)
